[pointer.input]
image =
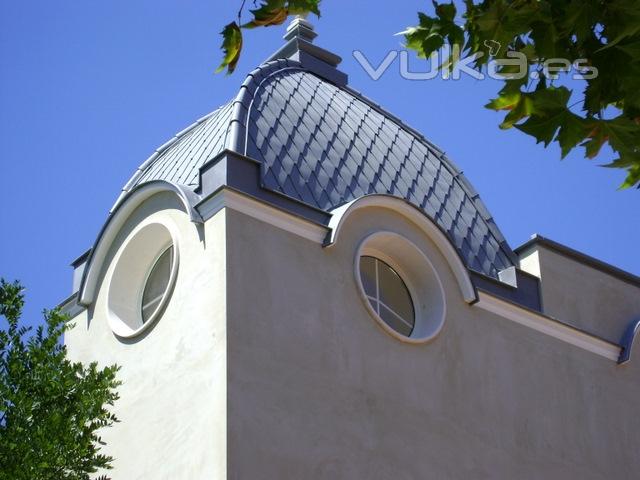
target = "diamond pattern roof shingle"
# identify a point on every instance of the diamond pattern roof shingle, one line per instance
(326, 145)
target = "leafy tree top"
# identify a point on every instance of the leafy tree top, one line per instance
(52, 409)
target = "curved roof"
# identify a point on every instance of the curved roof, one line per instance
(322, 143)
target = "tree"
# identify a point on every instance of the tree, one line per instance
(598, 38)
(52, 409)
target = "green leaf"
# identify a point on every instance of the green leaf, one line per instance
(232, 46)
(625, 22)
(573, 130)
(272, 12)
(432, 33)
(547, 117)
(446, 11)
(630, 162)
(522, 109)
(542, 128)
(622, 134)
(633, 178)
(276, 12)
(505, 101)
(631, 48)
(297, 7)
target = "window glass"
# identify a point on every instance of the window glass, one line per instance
(393, 291)
(368, 275)
(157, 283)
(387, 294)
(395, 322)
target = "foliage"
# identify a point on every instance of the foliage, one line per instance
(268, 13)
(51, 408)
(600, 36)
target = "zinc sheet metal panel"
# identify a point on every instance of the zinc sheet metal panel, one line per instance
(326, 145)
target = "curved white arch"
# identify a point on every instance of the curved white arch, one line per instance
(116, 220)
(340, 215)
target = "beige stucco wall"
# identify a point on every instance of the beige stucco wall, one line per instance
(581, 295)
(173, 398)
(266, 364)
(317, 390)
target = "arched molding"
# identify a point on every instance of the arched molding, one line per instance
(340, 216)
(117, 219)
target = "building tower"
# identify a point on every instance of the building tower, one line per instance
(299, 285)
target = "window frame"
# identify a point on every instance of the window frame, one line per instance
(413, 266)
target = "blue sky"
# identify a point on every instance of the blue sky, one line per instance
(89, 89)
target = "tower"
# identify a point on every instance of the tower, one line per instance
(299, 285)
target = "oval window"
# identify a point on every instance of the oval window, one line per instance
(388, 294)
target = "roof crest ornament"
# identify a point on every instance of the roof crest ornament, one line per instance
(302, 28)
(299, 47)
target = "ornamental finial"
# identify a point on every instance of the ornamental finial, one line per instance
(300, 28)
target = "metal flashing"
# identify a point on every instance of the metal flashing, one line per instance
(242, 174)
(81, 259)
(524, 291)
(227, 197)
(70, 306)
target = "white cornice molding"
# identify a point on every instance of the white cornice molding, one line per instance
(226, 198)
(548, 326)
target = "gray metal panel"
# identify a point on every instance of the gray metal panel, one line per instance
(179, 162)
(324, 144)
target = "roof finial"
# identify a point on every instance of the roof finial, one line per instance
(299, 48)
(300, 27)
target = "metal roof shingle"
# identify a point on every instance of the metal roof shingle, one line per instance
(326, 145)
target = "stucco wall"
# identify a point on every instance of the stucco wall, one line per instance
(173, 398)
(316, 389)
(582, 295)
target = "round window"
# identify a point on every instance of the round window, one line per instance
(388, 294)
(399, 287)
